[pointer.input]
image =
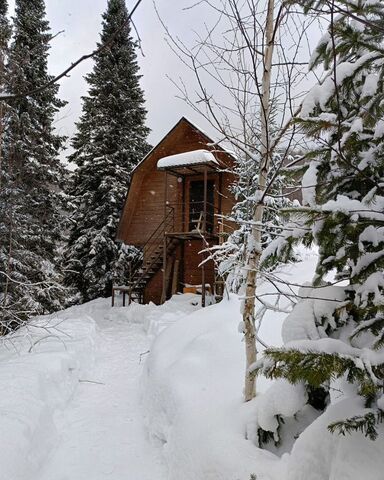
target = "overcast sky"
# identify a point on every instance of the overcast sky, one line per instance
(81, 22)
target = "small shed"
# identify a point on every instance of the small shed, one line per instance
(177, 202)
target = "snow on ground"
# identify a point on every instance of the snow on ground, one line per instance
(38, 376)
(193, 389)
(194, 401)
(102, 435)
(72, 384)
(320, 455)
(155, 393)
(70, 407)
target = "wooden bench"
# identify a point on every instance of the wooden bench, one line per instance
(122, 289)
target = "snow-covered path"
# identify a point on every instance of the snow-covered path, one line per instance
(101, 432)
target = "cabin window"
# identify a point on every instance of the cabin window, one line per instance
(196, 205)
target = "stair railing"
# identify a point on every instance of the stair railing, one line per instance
(152, 249)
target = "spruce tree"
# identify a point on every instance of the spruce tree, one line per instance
(334, 337)
(110, 141)
(231, 254)
(5, 34)
(31, 215)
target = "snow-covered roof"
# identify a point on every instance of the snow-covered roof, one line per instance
(195, 157)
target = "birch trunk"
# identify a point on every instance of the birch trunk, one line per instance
(254, 245)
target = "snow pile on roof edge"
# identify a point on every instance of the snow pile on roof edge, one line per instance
(195, 157)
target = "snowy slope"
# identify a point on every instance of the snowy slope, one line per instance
(82, 389)
(320, 455)
(71, 407)
(193, 398)
(37, 383)
(102, 435)
(193, 390)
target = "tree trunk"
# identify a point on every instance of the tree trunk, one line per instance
(254, 243)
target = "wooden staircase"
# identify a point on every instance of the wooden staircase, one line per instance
(153, 254)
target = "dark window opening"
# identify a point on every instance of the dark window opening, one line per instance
(196, 205)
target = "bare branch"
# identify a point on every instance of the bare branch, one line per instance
(95, 52)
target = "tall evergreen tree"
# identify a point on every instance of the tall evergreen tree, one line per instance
(5, 34)
(31, 218)
(335, 335)
(110, 141)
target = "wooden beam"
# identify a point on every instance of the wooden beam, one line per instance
(220, 208)
(205, 200)
(183, 206)
(196, 172)
(173, 172)
(191, 235)
(164, 293)
(175, 278)
(220, 193)
(204, 232)
(167, 279)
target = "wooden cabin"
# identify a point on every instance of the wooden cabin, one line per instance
(175, 207)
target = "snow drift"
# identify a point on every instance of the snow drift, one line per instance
(194, 410)
(193, 400)
(40, 368)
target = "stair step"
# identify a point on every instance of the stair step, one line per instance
(155, 262)
(153, 267)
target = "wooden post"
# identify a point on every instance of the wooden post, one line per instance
(185, 228)
(204, 233)
(168, 277)
(205, 200)
(220, 205)
(175, 277)
(183, 207)
(164, 292)
(203, 283)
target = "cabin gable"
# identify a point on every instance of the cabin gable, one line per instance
(163, 213)
(144, 205)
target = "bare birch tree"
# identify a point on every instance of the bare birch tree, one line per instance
(250, 80)
(254, 246)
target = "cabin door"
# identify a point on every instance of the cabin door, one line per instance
(196, 205)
